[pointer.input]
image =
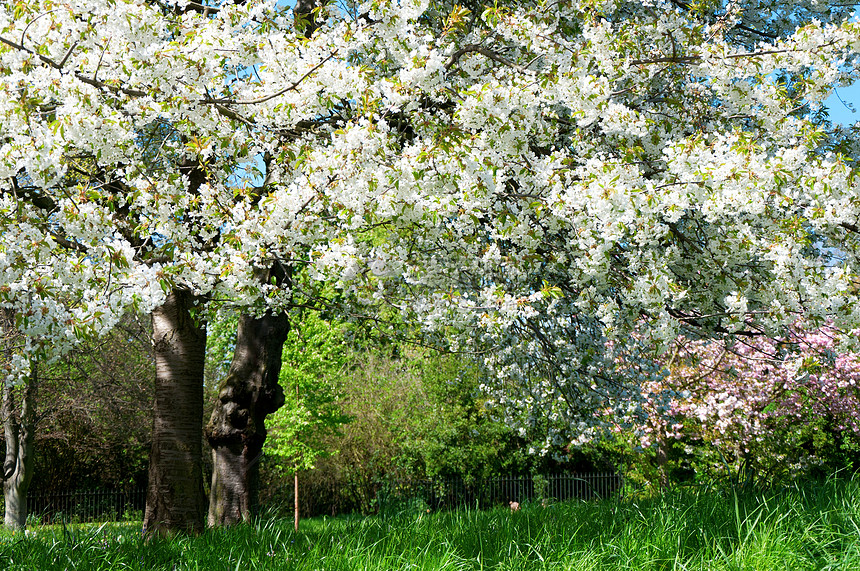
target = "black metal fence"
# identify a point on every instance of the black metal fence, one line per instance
(85, 506)
(455, 493)
(437, 494)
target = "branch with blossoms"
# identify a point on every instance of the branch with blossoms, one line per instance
(487, 52)
(220, 103)
(766, 405)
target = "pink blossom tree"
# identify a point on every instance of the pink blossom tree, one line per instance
(755, 409)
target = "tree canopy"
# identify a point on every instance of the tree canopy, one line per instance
(536, 179)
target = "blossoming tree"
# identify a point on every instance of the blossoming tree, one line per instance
(754, 410)
(541, 176)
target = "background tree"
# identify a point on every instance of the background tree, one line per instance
(314, 358)
(460, 437)
(95, 430)
(761, 411)
(19, 429)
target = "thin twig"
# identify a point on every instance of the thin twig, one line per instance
(224, 101)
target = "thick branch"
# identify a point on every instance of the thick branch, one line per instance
(850, 227)
(220, 102)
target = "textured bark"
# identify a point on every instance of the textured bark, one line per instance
(175, 500)
(19, 431)
(236, 432)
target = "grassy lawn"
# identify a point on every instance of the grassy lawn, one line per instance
(811, 527)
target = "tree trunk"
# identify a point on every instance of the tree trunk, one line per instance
(175, 501)
(20, 431)
(236, 432)
(296, 498)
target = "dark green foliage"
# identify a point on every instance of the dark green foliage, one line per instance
(688, 461)
(460, 436)
(95, 414)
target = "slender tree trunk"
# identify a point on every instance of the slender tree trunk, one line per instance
(236, 432)
(296, 478)
(296, 498)
(20, 432)
(175, 501)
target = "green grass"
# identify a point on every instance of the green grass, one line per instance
(811, 527)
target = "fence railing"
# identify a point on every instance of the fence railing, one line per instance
(85, 506)
(436, 494)
(454, 493)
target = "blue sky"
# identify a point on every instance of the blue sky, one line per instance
(839, 109)
(844, 105)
